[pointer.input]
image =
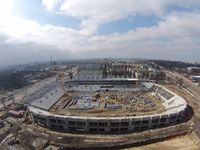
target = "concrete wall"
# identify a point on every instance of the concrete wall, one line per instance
(107, 125)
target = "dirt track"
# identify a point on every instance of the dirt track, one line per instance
(187, 142)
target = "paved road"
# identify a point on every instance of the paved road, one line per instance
(195, 91)
(192, 88)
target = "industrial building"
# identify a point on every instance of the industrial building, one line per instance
(195, 78)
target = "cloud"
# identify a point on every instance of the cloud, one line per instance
(176, 35)
(176, 32)
(97, 12)
(28, 52)
(51, 4)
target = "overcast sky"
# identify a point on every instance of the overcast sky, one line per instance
(33, 30)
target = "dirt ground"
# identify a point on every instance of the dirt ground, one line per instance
(187, 142)
(133, 104)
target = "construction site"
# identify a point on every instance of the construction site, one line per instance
(107, 103)
(114, 113)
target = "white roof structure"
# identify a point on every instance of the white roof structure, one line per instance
(174, 104)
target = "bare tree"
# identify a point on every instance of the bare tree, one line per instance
(179, 81)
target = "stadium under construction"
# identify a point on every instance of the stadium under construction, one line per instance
(112, 105)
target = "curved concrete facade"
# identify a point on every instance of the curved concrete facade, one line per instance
(174, 113)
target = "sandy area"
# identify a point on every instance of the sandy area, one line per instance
(187, 142)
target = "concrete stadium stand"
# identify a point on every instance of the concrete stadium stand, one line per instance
(174, 114)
